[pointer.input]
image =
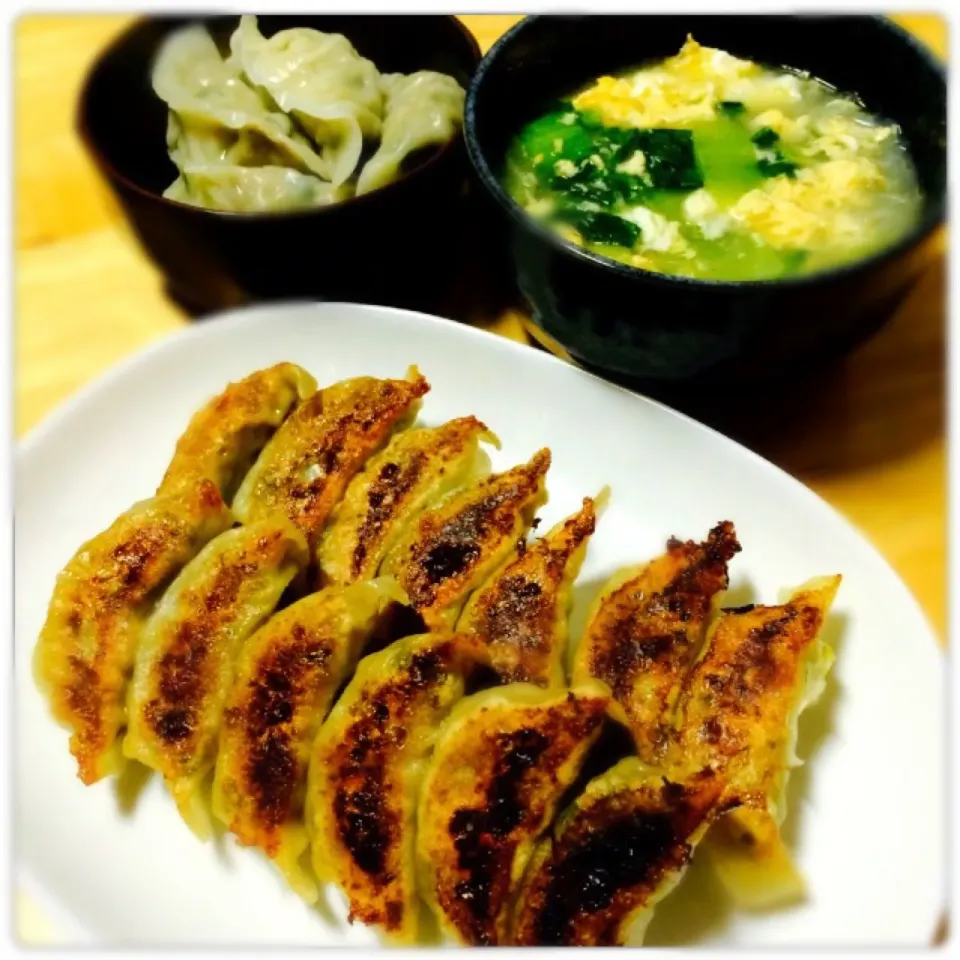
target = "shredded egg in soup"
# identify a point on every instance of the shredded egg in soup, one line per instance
(707, 165)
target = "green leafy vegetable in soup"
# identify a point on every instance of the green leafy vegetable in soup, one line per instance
(707, 165)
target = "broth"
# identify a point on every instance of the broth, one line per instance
(706, 165)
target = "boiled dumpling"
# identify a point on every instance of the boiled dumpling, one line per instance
(503, 759)
(423, 109)
(216, 116)
(414, 470)
(102, 598)
(227, 434)
(366, 771)
(738, 715)
(218, 186)
(319, 79)
(647, 627)
(622, 847)
(285, 679)
(451, 549)
(184, 666)
(305, 468)
(522, 612)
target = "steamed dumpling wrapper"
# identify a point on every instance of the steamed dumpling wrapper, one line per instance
(252, 189)
(422, 109)
(321, 80)
(216, 116)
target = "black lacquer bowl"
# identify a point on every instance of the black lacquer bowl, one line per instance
(670, 333)
(392, 246)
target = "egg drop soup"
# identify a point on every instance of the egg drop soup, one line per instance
(709, 166)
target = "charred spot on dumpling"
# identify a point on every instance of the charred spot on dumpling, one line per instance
(172, 725)
(365, 771)
(392, 483)
(703, 574)
(133, 558)
(83, 697)
(366, 820)
(367, 825)
(272, 766)
(452, 541)
(182, 678)
(609, 861)
(476, 833)
(497, 773)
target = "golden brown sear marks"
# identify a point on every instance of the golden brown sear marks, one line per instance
(736, 704)
(224, 437)
(504, 758)
(415, 469)
(185, 663)
(286, 677)
(521, 614)
(102, 598)
(644, 633)
(613, 857)
(364, 777)
(455, 546)
(305, 468)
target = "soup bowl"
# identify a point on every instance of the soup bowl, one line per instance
(390, 246)
(665, 332)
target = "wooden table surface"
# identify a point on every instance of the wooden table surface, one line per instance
(869, 439)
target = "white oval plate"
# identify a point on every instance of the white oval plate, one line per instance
(867, 818)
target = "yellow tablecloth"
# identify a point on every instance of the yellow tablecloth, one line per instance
(871, 442)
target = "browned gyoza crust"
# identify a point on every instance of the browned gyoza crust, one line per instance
(455, 546)
(622, 847)
(414, 471)
(502, 762)
(645, 632)
(225, 436)
(737, 708)
(101, 601)
(305, 468)
(364, 775)
(521, 613)
(184, 664)
(286, 677)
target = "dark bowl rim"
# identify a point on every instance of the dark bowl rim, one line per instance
(351, 203)
(933, 218)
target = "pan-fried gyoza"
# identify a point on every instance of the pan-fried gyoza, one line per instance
(184, 665)
(186, 637)
(503, 759)
(366, 771)
(522, 612)
(416, 469)
(285, 680)
(307, 464)
(102, 598)
(616, 853)
(646, 629)
(452, 548)
(225, 437)
(738, 714)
